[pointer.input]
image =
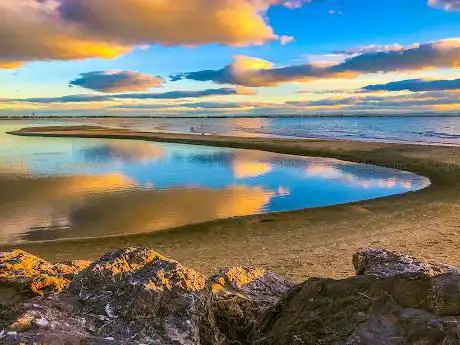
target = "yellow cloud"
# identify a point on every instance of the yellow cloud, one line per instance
(65, 30)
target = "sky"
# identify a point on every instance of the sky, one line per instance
(229, 57)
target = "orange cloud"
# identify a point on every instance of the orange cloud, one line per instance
(79, 29)
(189, 22)
(31, 30)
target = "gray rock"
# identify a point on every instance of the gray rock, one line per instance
(136, 296)
(143, 296)
(384, 264)
(445, 294)
(394, 300)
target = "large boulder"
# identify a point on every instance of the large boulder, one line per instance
(394, 300)
(237, 298)
(141, 295)
(23, 275)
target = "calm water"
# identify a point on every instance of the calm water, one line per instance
(433, 130)
(54, 188)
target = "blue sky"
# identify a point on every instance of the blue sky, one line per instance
(39, 63)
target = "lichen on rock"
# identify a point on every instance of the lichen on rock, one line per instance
(28, 275)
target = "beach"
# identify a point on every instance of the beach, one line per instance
(305, 243)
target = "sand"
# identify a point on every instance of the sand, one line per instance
(305, 243)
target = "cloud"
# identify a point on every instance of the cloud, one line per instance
(179, 94)
(422, 99)
(286, 40)
(372, 48)
(416, 85)
(194, 105)
(438, 54)
(117, 81)
(191, 22)
(63, 99)
(449, 5)
(253, 72)
(32, 30)
(103, 98)
(79, 29)
(219, 105)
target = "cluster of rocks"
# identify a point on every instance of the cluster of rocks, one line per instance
(137, 296)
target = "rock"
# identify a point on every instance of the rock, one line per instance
(394, 300)
(249, 282)
(320, 311)
(46, 321)
(445, 294)
(384, 264)
(136, 296)
(379, 330)
(143, 296)
(237, 298)
(24, 275)
(409, 326)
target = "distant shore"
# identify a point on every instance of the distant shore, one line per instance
(63, 117)
(299, 244)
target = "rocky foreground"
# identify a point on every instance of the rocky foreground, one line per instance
(137, 296)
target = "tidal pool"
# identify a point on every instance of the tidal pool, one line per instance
(53, 188)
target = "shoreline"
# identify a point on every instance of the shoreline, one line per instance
(304, 243)
(159, 130)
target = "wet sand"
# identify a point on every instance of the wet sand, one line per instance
(306, 243)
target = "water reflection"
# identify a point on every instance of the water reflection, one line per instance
(139, 211)
(245, 168)
(27, 203)
(124, 151)
(366, 177)
(67, 188)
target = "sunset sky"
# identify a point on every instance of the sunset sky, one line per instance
(229, 57)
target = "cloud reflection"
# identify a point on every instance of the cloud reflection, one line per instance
(245, 168)
(26, 203)
(126, 151)
(143, 211)
(339, 173)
